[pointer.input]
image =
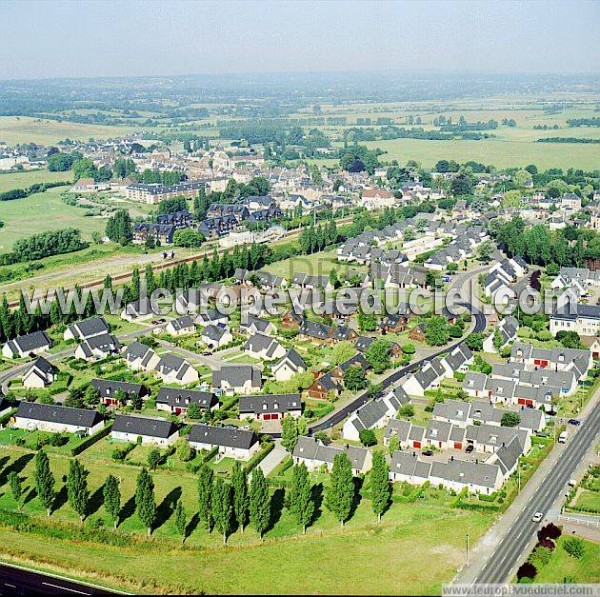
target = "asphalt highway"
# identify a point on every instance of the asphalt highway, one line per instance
(500, 566)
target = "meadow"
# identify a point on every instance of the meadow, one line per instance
(23, 180)
(376, 558)
(23, 129)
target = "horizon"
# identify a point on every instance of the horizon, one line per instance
(103, 40)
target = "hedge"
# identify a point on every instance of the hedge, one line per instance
(91, 440)
(258, 458)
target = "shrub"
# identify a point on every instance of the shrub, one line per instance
(367, 437)
(526, 570)
(575, 547)
(409, 349)
(549, 531)
(541, 555)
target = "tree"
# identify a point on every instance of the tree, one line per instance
(526, 570)
(119, 228)
(394, 443)
(462, 185)
(510, 419)
(436, 331)
(112, 498)
(475, 341)
(340, 494)
(367, 437)
(301, 502)
(145, 502)
(44, 481)
(549, 531)
(181, 520)
(154, 458)
(378, 355)
(77, 488)
(485, 251)
(186, 237)
(366, 322)
(355, 378)
(289, 433)
(16, 488)
(497, 340)
(194, 411)
(381, 489)
(302, 425)
(260, 502)
(222, 507)
(205, 482)
(575, 547)
(342, 351)
(408, 411)
(184, 451)
(239, 483)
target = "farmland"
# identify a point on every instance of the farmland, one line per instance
(22, 180)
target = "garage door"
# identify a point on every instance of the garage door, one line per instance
(416, 444)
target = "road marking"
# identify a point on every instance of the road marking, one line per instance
(63, 588)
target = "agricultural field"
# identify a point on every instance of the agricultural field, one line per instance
(23, 129)
(377, 558)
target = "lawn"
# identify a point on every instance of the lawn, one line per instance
(23, 129)
(317, 264)
(377, 558)
(563, 566)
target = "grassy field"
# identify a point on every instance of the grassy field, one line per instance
(22, 180)
(563, 566)
(376, 558)
(23, 129)
(42, 212)
(317, 264)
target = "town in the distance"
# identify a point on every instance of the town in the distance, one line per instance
(230, 357)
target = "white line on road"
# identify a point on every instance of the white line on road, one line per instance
(63, 588)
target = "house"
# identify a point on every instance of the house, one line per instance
(216, 336)
(138, 310)
(558, 358)
(458, 360)
(181, 326)
(377, 198)
(231, 442)
(140, 357)
(29, 344)
(173, 369)
(264, 348)
(315, 454)
(57, 419)
(322, 386)
(5, 406)
(98, 347)
(426, 378)
(88, 328)
(109, 391)
(358, 360)
(488, 438)
(291, 320)
(291, 364)
(256, 325)
(506, 332)
(237, 379)
(41, 374)
(394, 323)
(373, 414)
(152, 431)
(316, 331)
(270, 407)
(418, 333)
(177, 400)
(211, 316)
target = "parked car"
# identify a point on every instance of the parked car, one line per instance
(537, 517)
(469, 448)
(575, 422)
(427, 452)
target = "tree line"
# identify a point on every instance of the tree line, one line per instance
(223, 506)
(40, 187)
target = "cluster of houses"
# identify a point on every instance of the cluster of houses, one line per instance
(502, 278)
(533, 377)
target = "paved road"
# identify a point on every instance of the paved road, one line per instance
(500, 566)
(18, 581)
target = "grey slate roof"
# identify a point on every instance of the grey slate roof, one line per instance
(237, 375)
(89, 327)
(30, 342)
(178, 397)
(64, 415)
(227, 437)
(145, 426)
(107, 387)
(270, 403)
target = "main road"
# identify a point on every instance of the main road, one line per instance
(501, 564)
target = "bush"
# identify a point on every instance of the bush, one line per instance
(121, 453)
(185, 452)
(526, 570)
(575, 547)
(541, 555)
(409, 349)
(367, 437)
(549, 531)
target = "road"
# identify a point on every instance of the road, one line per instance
(500, 566)
(18, 581)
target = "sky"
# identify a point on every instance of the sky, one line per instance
(51, 39)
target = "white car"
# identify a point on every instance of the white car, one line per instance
(537, 517)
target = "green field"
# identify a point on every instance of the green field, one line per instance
(369, 558)
(42, 212)
(22, 180)
(317, 264)
(563, 566)
(23, 129)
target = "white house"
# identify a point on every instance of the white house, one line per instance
(41, 374)
(57, 419)
(151, 430)
(290, 365)
(173, 369)
(29, 344)
(231, 442)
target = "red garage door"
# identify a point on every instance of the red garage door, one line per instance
(416, 444)
(457, 445)
(267, 417)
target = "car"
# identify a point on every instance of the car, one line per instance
(469, 448)
(427, 452)
(541, 434)
(206, 353)
(575, 422)
(537, 517)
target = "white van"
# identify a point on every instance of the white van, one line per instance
(562, 438)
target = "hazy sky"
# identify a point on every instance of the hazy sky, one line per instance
(95, 38)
